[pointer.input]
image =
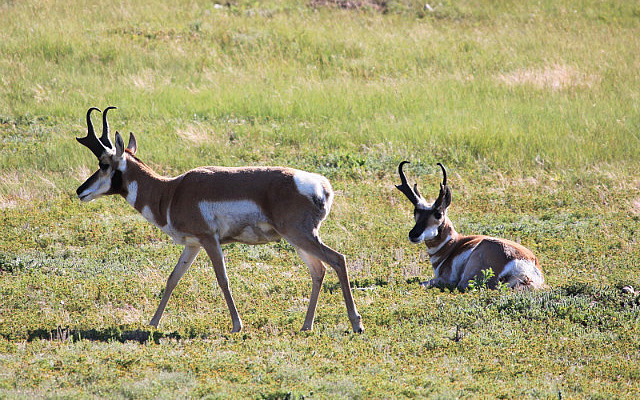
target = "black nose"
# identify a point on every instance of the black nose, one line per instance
(416, 232)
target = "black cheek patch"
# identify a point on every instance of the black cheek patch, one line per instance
(116, 183)
(420, 225)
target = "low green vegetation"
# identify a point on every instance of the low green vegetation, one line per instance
(532, 106)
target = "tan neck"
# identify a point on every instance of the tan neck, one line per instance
(445, 242)
(146, 191)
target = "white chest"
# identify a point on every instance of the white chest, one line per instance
(458, 264)
(177, 236)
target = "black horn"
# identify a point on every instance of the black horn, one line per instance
(444, 172)
(404, 186)
(91, 141)
(105, 129)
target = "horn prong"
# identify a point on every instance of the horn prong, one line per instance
(415, 190)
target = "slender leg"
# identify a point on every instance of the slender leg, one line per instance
(214, 251)
(317, 275)
(312, 245)
(186, 259)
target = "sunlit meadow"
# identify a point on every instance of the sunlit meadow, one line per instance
(534, 107)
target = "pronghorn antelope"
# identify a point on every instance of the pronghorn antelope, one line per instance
(210, 206)
(458, 259)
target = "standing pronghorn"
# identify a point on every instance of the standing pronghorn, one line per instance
(210, 206)
(457, 259)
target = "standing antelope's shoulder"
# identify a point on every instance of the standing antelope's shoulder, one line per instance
(314, 186)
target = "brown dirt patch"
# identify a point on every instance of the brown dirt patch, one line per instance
(554, 77)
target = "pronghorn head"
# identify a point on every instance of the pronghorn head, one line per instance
(111, 161)
(429, 218)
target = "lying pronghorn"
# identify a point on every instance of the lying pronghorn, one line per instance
(210, 206)
(458, 259)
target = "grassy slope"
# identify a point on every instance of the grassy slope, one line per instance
(533, 108)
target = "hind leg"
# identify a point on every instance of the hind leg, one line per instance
(317, 271)
(311, 244)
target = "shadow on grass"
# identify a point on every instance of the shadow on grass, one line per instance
(104, 335)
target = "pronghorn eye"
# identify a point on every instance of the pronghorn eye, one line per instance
(103, 166)
(437, 214)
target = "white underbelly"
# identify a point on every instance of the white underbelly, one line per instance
(238, 221)
(258, 234)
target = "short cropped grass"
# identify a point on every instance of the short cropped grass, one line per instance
(533, 108)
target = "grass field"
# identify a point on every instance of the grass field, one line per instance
(534, 107)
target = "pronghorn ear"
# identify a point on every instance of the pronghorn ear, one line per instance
(119, 145)
(132, 146)
(444, 198)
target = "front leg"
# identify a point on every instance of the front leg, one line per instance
(186, 259)
(213, 249)
(435, 282)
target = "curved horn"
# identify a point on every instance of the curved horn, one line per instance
(90, 130)
(444, 172)
(404, 186)
(105, 129)
(91, 140)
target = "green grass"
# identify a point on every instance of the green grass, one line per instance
(533, 108)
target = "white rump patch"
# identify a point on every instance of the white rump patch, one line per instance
(523, 268)
(310, 185)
